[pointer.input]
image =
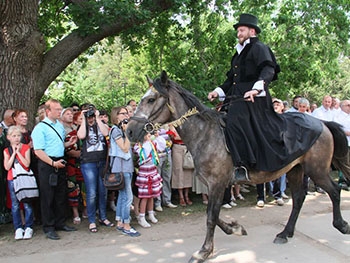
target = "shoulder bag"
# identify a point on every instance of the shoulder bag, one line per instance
(188, 161)
(24, 182)
(112, 181)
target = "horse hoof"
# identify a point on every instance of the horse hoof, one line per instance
(343, 228)
(200, 256)
(237, 229)
(196, 258)
(280, 240)
(347, 230)
(244, 232)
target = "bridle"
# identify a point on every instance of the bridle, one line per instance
(149, 126)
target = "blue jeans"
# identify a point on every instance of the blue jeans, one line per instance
(95, 189)
(283, 183)
(124, 201)
(15, 209)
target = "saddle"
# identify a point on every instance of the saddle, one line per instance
(222, 121)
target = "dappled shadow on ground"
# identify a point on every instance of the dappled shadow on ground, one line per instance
(181, 231)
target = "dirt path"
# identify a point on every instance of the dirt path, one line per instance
(174, 227)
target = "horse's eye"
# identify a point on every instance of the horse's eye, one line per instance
(151, 100)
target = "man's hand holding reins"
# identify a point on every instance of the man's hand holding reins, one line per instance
(212, 95)
(249, 95)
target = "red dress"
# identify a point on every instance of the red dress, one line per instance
(74, 176)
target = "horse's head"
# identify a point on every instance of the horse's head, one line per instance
(152, 111)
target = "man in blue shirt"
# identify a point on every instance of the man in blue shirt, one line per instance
(48, 142)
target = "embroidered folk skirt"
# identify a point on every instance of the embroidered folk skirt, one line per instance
(148, 181)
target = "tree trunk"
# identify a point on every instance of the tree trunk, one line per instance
(27, 68)
(21, 50)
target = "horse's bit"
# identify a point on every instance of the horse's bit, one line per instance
(150, 127)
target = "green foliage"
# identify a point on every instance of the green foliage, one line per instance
(54, 21)
(102, 13)
(195, 44)
(308, 40)
(109, 78)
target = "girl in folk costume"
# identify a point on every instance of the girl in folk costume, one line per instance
(148, 179)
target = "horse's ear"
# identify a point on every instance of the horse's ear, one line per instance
(150, 81)
(164, 77)
(161, 84)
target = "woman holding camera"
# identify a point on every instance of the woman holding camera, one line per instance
(121, 161)
(92, 132)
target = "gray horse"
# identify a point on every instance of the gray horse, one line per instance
(166, 102)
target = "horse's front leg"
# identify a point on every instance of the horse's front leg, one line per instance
(232, 228)
(213, 211)
(295, 179)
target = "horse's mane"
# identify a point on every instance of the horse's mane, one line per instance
(190, 100)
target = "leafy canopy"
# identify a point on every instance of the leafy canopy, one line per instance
(195, 44)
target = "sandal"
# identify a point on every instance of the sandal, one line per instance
(188, 201)
(76, 220)
(106, 222)
(120, 228)
(182, 202)
(93, 228)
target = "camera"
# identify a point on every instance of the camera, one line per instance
(90, 112)
(125, 121)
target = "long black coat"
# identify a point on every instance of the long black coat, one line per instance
(256, 135)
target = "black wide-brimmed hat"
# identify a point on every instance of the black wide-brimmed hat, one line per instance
(249, 21)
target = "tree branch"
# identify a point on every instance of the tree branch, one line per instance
(69, 48)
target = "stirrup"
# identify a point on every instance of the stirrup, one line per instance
(240, 174)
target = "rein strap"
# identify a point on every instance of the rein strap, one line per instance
(184, 117)
(149, 126)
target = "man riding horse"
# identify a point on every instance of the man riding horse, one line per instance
(267, 143)
(256, 136)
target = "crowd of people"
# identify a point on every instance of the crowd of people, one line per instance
(73, 144)
(67, 151)
(332, 109)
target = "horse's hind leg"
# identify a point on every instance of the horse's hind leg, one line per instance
(295, 181)
(333, 191)
(213, 210)
(321, 173)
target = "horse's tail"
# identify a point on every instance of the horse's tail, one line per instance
(341, 155)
